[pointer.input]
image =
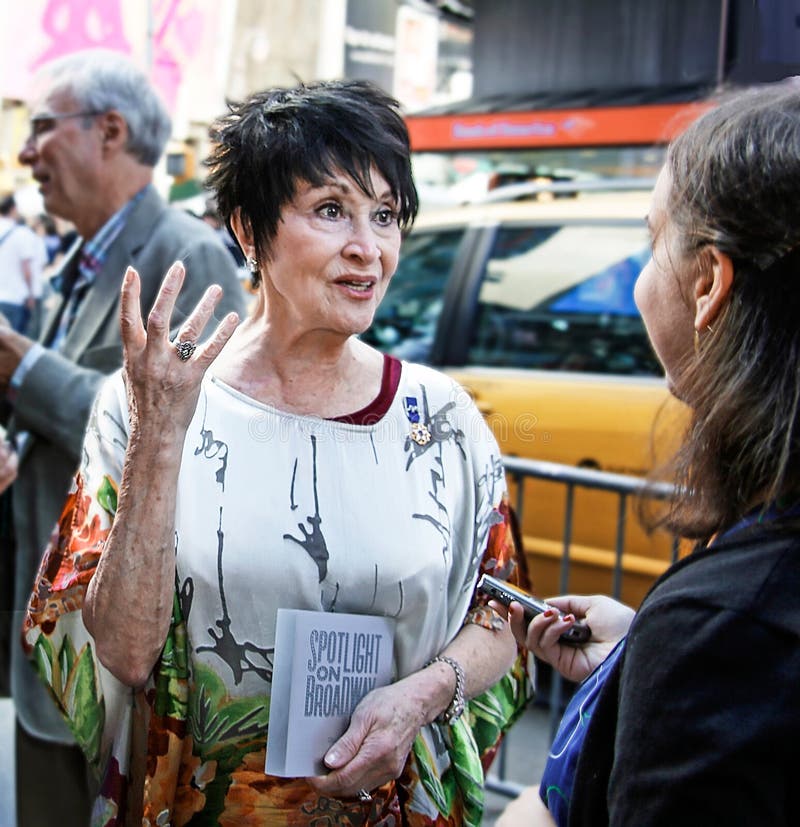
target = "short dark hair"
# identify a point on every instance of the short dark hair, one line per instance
(735, 184)
(7, 203)
(48, 224)
(265, 145)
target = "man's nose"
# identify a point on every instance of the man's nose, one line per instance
(27, 154)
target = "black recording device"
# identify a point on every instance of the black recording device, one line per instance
(504, 593)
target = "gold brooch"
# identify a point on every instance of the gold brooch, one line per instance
(420, 433)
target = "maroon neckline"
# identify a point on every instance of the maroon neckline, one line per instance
(377, 409)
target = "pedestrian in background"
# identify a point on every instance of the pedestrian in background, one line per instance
(40, 286)
(21, 262)
(45, 227)
(212, 218)
(98, 129)
(693, 716)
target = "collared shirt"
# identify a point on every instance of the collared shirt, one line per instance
(92, 257)
(95, 250)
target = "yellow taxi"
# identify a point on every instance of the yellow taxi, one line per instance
(529, 305)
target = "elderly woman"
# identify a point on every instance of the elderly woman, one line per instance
(283, 464)
(694, 717)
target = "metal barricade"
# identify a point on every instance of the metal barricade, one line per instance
(625, 487)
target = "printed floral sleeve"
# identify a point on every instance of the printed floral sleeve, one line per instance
(493, 712)
(137, 777)
(473, 739)
(54, 637)
(504, 559)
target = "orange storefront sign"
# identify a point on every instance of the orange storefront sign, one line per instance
(602, 126)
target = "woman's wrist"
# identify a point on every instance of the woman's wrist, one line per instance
(458, 702)
(449, 700)
(157, 442)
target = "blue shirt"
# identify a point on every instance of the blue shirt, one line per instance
(559, 771)
(92, 258)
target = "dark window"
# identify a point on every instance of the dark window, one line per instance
(405, 323)
(561, 298)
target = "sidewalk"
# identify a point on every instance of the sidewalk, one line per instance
(526, 752)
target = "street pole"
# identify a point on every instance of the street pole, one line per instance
(150, 36)
(722, 43)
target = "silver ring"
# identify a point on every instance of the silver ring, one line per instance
(364, 796)
(185, 349)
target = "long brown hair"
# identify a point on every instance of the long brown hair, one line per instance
(736, 185)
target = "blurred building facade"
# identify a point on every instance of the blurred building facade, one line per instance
(201, 52)
(539, 70)
(580, 90)
(561, 48)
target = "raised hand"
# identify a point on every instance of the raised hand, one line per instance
(162, 386)
(137, 567)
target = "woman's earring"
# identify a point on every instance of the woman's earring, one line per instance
(696, 342)
(255, 275)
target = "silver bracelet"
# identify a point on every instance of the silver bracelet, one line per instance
(456, 706)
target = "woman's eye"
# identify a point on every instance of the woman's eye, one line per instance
(385, 217)
(330, 210)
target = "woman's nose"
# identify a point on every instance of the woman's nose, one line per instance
(363, 242)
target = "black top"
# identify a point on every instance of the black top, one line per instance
(700, 722)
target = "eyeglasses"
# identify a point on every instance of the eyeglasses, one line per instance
(42, 124)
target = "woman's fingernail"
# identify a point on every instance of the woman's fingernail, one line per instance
(569, 618)
(331, 758)
(548, 612)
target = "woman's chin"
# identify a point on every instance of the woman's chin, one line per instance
(356, 325)
(676, 391)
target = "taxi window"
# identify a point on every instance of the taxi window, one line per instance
(561, 298)
(406, 319)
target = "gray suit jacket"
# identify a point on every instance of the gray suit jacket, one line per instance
(55, 400)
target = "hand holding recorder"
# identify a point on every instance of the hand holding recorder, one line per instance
(503, 592)
(606, 620)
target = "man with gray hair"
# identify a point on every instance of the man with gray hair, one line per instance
(98, 128)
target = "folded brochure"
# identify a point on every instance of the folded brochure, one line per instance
(324, 664)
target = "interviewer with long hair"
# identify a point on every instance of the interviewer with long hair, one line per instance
(692, 715)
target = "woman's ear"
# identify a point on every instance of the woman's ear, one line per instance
(244, 233)
(712, 288)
